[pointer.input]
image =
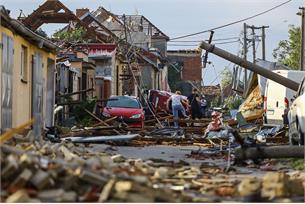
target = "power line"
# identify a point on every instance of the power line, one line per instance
(219, 39)
(228, 42)
(235, 22)
(138, 85)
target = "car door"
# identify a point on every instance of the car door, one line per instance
(294, 107)
(299, 109)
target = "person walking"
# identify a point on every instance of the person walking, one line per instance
(195, 104)
(176, 102)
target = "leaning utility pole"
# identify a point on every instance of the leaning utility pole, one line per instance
(250, 66)
(205, 58)
(302, 14)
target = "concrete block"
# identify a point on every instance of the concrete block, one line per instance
(275, 185)
(53, 195)
(41, 179)
(23, 178)
(19, 196)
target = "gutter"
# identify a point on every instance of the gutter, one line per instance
(42, 42)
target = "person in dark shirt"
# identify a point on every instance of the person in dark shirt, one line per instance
(194, 101)
(203, 106)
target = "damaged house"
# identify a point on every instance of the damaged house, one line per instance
(185, 69)
(147, 45)
(145, 49)
(27, 75)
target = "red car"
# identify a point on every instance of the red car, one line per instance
(127, 108)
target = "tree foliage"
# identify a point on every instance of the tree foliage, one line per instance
(75, 35)
(288, 51)
(233, 102)
(226, 78)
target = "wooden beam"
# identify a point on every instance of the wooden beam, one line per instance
(103, 122)
(9, 134)
(75, 93)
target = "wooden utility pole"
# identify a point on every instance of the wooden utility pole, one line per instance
(302, 14)
(245, 56)
(205, 59)
(253, 44)
(245, 41)
(263, 42)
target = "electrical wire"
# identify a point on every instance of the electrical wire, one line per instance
(133, 75)
(232, 23)
(221, 43)
(219, 39)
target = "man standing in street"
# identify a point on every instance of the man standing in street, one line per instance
(177, 106)
(195, 104)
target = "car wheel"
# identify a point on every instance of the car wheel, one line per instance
(301, 136)
(293, 136)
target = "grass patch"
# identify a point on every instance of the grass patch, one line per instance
(297, 164)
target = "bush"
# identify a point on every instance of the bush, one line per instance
(215, 102)
(81, 115)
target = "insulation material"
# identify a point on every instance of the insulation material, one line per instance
(252, 106)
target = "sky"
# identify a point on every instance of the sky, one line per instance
(180, 17)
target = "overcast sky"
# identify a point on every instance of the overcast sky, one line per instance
(179, 17)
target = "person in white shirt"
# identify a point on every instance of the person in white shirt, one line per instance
(177, 106)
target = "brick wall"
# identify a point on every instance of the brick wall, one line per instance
(192, 69)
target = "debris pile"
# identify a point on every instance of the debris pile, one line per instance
(69, 172)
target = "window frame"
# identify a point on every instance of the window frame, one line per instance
(24, 64)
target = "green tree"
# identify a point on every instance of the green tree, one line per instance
(71, 36)
(288, 51)
(226, 78)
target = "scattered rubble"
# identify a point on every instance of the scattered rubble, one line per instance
(67, 172)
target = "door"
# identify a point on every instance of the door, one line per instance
(6, 88)
(37, 94)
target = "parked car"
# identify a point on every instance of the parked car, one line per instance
(296, 117)
(127, 108)
(278, 97)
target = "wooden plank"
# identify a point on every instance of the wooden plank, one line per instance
(155, 119)
(75, 93)
(248, 119)
(106, 121)
(9, 134)
(103, 122)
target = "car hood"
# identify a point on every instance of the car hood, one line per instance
(125, 112)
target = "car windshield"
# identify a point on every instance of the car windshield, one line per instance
(123, 102)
